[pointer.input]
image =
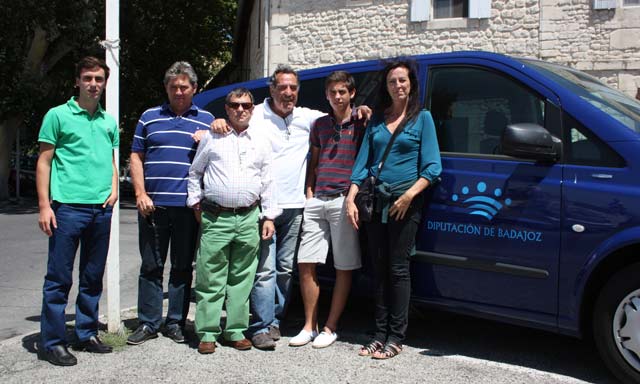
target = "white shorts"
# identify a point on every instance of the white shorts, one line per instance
(325, 221)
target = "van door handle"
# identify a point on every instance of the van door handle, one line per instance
(602, 176)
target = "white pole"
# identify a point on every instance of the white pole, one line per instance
(18, 155)
(113, 108)
(265, 49)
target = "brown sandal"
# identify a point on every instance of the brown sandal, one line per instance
(390, 350)
(371, 348)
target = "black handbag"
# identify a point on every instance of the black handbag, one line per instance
(365, 198)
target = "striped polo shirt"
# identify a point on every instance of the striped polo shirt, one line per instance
(168, 147)
(339, 144)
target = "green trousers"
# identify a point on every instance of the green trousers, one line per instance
(226, 266)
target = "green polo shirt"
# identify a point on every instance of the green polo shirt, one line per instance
(81, 169)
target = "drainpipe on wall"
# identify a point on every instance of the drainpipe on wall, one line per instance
(267, 18)
(539, 30)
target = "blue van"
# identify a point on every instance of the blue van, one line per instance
(536, 220)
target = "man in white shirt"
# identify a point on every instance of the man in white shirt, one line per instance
(236, 168)
(287, 128)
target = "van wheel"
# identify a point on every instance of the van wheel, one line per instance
(616, 324)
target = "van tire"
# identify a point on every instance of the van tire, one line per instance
(619, 298)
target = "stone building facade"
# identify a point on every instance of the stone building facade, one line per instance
(601, 37)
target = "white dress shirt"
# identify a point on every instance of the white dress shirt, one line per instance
(237, 172)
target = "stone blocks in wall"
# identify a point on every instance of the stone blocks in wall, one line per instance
(279, 20)
(626, 39)
(309, 33)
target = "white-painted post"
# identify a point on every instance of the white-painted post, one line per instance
(18, 155)
(267, 21)
(112, 53)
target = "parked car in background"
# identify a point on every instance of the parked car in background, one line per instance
(536, 220)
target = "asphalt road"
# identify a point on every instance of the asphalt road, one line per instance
(440, 347)
(23, 259)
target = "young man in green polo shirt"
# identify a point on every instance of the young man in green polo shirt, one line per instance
(77, 183)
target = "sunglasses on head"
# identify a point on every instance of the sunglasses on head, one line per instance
(234, 105)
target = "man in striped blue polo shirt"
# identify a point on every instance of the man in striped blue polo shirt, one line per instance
(161, 153)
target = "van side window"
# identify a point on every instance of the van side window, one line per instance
(584, 148)
(311, 94)
(471, 106)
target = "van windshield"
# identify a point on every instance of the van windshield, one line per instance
(615, 103)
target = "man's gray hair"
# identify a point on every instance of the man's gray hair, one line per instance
(282, 68)
(181, 68)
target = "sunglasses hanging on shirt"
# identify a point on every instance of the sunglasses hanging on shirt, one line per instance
(287, 129)
(338, 128)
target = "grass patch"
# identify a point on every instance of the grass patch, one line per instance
(118, 341)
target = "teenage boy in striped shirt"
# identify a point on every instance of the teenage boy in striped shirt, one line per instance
(335, 139)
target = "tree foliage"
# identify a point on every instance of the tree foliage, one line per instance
(38, 44)
(155, 34)
(41, 40)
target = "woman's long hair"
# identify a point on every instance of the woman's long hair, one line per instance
(413, 103)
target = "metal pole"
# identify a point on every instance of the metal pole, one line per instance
(111, 44)
(18, 154)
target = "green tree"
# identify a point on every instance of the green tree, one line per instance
(157, 33)
(40, 42)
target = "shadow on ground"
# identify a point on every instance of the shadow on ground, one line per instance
(31, 343)
(443, 334)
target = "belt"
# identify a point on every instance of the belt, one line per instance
(331, 196)
(213, 208)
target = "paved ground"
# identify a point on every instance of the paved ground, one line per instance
(440, 347)
(23, 258)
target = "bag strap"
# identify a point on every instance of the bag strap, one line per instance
(388, 148)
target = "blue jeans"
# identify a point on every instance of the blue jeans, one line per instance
(166, 225)
(90, 226)
(272, 287)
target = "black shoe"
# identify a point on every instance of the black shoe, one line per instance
(142, 334)
(93, 345)
(274, 332)
(59, 355)
(175, 334)
(263, 341)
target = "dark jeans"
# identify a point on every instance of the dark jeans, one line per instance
(166, 225)
(390, 247)
(90, 226)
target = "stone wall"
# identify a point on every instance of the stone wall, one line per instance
(312, 33)
(605, 43)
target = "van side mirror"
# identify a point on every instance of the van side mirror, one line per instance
(530, 141)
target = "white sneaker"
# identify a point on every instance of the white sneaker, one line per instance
(302, 338)
(324, 339)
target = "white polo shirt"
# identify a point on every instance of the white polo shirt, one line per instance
(289, 138)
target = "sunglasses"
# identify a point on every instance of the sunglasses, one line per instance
(337, 129)
(234, 105)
